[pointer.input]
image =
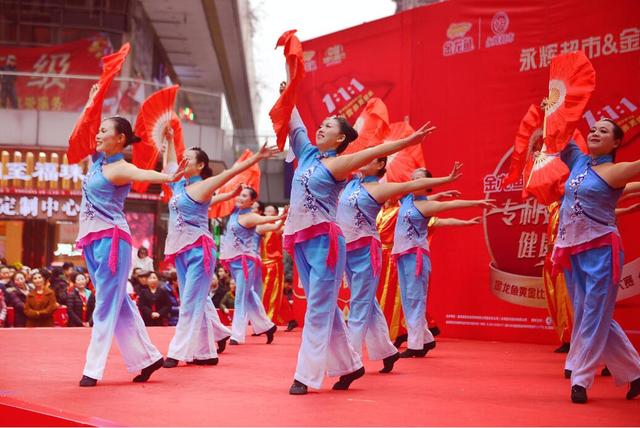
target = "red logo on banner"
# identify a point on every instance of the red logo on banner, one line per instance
(499, 26)
(458, 41)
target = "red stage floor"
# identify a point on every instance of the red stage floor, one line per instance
(461, 383)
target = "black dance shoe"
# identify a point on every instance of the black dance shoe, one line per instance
(563, 349)
(222, 344)
(605, 372)
(146, 372)
(578, 394)
(291, 325)
(345, 380)
(170, 363)
(298, 388)
(434, 330)
(207, 362)
(389, 362)
(429, 346)
(87, 381)
(413, 353)
(400, 340)
(634, 389)
(233, 342)
(270, 334)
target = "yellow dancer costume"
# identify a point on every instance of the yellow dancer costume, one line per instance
(272, 275)
(558, 300)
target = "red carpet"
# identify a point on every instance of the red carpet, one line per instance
(460, 383)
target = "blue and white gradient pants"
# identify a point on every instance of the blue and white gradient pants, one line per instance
(115, 314)
(195, 334)
(248, 303)
(366, 320)
(325, 347)
(413, 291)
(596, 337)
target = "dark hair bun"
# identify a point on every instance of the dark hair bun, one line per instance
(350, 134)
(134, 139)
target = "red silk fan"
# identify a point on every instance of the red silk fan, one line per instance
(280, 113)
(372, 126)
(155, 113)
(82, 141)
(249, 177)
(528, 141)
(401, 165)
(548, 173)
(572, 79)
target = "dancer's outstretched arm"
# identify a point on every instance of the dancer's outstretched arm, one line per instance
(633, 187)
(620, 174)
(430, 208)
(203, 190)
(455, 222)
(127, 173)
(445, 194)
(270, 227)
(252, 219)
(628, 210)
(221, 197)
(341, 167)
(384, 191)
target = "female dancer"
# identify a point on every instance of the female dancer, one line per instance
(312, 235)
(589, 249)
(411, 251)
(190, 244)
(272, 266)
(105, 239)
(240, 254)
(362, 200)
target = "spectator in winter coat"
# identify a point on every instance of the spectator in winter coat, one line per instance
(154, 302)
(41, 302)
(16, 297)
(80, 302)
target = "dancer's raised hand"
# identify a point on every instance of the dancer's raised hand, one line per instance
(456, 172)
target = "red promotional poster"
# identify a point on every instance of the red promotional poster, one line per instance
(473, 69)
(82, 57)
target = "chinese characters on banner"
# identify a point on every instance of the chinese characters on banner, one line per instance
(473, 68)
(57, 93)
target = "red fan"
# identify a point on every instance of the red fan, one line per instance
(547, 173)
(401, 165)
(82, 141)
(280, 113)
(528, 141)
(155, 113)
(572, 79)
(249, 177)
(372, 126)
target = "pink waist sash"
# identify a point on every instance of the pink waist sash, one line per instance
(419, 253)
(561, 258)
(325, 228)
(116, 234)
(374, 248)
(243, 259)
(207, 244)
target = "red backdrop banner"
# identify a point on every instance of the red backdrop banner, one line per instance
(473, 68)
(57, 93)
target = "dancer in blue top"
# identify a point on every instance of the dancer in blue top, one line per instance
(190, 244)
(242, 258)
(105, 239)
(358, 208)
(589, 249)
(411, 252)
(316, 241)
